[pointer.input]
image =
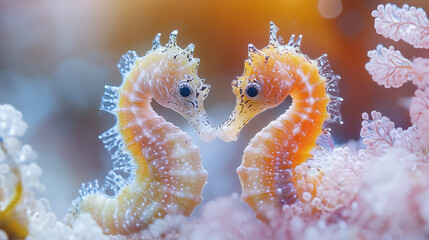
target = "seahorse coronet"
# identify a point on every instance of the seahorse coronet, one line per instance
(157, 169)
(267, 172)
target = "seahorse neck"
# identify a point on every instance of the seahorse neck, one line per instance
(138, 123)
(302, 123)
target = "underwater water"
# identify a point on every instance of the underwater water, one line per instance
(58, 55)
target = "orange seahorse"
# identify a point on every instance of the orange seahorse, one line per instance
(165, 175)
(267, 174)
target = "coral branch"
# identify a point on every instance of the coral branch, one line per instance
(419, 113)
(407, 23)
(421, 72)
(341, 179)
(419, 104)
(376, 133)
(388, 67)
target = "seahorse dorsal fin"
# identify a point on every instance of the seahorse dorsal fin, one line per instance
(190, 48)
(252, 48)
(127, 61)
(322, 60)
(298, 42)
(253, 51)
(291, 40)
(273, 34)
(332, 89)
(188, 51)
(155, 42)
(172, 41)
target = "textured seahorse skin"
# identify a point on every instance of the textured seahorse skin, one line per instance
(267, 172)
(164, 166)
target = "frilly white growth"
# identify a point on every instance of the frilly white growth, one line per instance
(388, 67)
(424, 130)
(376, 133)
(15, 155)
(341, 179)
(421, 72)
(407, 23)
(45, 226)
(392, 201)
(380, 135)
(11, 123)
(419, 112)
(411, 141)
(223, 218)
(419, 105)
(32, 213)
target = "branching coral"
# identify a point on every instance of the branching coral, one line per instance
(407, 23)
(388, 67)
(376, 133)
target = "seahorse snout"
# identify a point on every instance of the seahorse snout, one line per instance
(227, 134)
(208, 135)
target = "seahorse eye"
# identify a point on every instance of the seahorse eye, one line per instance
(252, 90)
(185, 90)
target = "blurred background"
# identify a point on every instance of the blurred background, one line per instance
(56, 56)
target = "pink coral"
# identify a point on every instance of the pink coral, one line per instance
(225, 218)
(341, 179)
(423, 126)
(421, 72)
(410, 141)
(407, 23)
(388, 67)
(390, 191)
(419, 104)
(376, 133)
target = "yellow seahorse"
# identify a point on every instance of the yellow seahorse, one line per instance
(13, 225)
(164, 166)
(267, 173)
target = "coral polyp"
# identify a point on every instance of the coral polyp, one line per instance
(165, 175)
(267, 173)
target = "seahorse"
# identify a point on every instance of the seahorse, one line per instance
(266, 173)
(165, 174)
(13, 225)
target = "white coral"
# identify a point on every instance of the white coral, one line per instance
(407, 23)
(376, 133)
(16, 162)
(11, 123)
(388, 67)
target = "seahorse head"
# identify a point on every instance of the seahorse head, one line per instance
(176, 85)
(265, 83)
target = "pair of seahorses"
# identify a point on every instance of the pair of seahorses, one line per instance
(157, 169)
(163, 166)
